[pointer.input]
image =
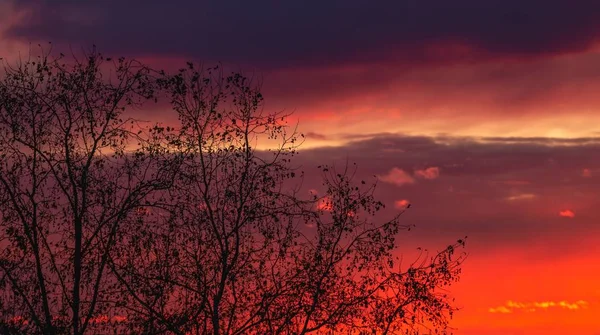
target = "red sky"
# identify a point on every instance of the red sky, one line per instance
(484, 115)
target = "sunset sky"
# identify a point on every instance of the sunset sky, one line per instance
(483, 114)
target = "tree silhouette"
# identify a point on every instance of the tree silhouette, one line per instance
(190, 229)
(66, 186)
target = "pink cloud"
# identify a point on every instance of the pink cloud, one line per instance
(428, 173)
(567, 213)
(401, 204)
(586, 173)
(397, 177)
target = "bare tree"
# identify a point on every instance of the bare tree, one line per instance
(106, 226)
(70, 176)
(233, 249)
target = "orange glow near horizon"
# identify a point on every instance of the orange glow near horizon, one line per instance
(553, 297)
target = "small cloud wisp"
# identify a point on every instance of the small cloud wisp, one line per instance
(512, 306)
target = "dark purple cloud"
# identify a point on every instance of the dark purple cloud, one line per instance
(292, 33)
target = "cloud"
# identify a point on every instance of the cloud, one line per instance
(479, 175)
(317, 32)
(567, 213)
(520, 197)
(401, 204)
(378, 76)
(512, 306)
(397, 177)
(587, 173)
(500, 309)
(316, 136)
(428, 173)
(325, 204)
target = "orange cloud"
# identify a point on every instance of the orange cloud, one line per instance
(500, 309)
(429, 173)
(567, 213)
(397, 177)
(401, 204)
(511, 306)
(325, 204)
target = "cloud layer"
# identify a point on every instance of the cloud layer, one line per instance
(503, 193)
(463, 68)
(317, 32)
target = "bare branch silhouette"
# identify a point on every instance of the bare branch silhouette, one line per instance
(200, 228)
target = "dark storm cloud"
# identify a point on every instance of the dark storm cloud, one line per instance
(291, 33)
